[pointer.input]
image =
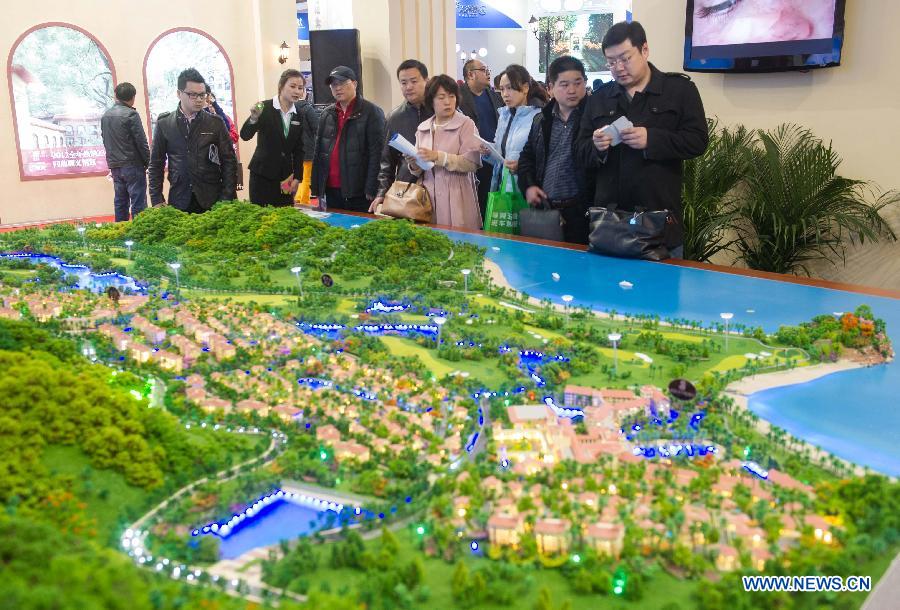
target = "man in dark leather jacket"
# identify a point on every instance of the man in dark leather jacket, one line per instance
(127, 153)
(405, 119)
(197, 148)
(348, 146)
(645, 169)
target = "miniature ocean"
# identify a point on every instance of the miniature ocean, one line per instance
(854, 414)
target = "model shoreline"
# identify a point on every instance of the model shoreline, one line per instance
(740, 391)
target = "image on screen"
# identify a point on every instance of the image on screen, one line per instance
(720, 27)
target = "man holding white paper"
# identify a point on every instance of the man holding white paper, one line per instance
(412, 76)
(638, 130)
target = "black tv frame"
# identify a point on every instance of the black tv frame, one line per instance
(787, 61)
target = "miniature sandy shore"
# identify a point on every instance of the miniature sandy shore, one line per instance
(740, 390)
(777, 379)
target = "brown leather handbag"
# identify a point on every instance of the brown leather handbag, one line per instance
(408, 200)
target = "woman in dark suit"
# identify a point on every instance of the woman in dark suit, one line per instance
(279, 147)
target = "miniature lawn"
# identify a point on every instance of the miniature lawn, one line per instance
(485, 371)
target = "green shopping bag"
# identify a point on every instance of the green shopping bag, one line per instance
(502, 213)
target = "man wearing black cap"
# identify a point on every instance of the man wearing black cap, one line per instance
(348, 146)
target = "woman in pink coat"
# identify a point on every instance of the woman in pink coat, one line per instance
(450, 140)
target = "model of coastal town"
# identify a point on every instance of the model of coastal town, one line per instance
(251, 408)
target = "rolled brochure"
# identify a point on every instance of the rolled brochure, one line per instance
(494, 155)
(405, 147)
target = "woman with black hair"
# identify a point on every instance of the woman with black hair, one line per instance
(277, 164)
(515, 120)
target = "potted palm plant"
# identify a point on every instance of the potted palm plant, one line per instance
(795, 208)
(709, 194)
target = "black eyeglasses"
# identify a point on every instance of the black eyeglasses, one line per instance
(196, 96)
(485, 70)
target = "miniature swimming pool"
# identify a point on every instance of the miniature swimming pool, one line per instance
(282, 521)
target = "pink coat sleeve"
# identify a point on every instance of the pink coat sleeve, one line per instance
(470, 146)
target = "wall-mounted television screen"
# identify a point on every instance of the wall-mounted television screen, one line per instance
(763, 35)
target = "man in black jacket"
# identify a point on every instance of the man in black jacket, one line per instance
(480, 103)
(404, 119)
(348, 146)
(197, 149)
(127, 153)
(645, 169)
(547, 173)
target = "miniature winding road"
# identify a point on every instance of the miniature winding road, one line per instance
(221, 476)
(886, 593)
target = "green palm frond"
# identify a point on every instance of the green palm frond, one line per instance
(795, 208)
(708, 194)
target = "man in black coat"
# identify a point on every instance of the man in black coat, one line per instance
(480, 103)
(348, 146)
(197, 149)
(547, 172)
(404, 119)
(645, 169)
(127, 153)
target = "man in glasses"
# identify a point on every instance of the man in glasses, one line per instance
(196, 150)
(641, 166)
(480, 103)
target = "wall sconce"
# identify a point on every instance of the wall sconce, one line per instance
(283, 55)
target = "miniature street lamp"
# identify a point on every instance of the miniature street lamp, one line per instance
(466, 273)
(175, 267)
(620, 579)
(128, 245)
(615, 338)
(296, 271)
(81, 231)
(566, 299)
(439, 320)
(726, 316)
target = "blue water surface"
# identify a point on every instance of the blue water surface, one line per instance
(81, 275)
(283, 521)
(853, 414)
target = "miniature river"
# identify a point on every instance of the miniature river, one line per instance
(82, 274)
(854, 414)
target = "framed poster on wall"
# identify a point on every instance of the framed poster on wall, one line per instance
(61, 81)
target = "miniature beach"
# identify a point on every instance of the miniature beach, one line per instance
(739, 391)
